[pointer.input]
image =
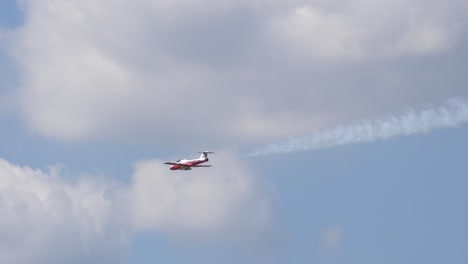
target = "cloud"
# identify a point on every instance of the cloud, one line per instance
(46, 219)
(225, 199)
(49, 217)
(422, 37)
(314, 31)
(259, 70)
(302, 29)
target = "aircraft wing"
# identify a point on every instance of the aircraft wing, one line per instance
(172, 163)
(200, 166)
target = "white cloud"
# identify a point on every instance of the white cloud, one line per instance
(154, 70)
(364, 30)
(422, 37)
(49, 219)
(311, 32)
(225, 199)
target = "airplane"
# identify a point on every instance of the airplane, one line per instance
(185, 164)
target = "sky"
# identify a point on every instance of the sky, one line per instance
(339, 130)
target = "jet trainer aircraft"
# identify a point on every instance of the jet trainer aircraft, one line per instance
(185, 164)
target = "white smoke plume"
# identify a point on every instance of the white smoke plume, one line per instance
(451, 114)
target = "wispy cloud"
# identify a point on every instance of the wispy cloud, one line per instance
(451, 114)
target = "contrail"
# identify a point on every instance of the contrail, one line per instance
(452, 113)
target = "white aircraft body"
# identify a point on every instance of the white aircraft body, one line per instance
(185, 164)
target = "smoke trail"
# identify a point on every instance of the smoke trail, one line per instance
(453, 113)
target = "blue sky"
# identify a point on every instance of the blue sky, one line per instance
(92, 104)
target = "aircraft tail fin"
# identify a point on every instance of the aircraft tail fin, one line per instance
(204, 154)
